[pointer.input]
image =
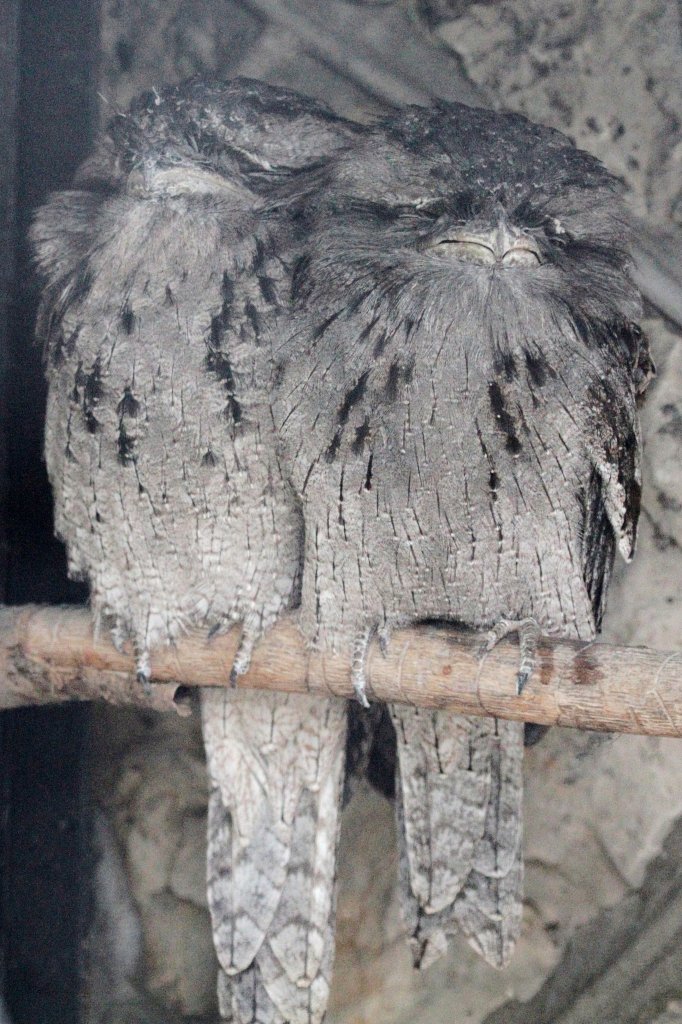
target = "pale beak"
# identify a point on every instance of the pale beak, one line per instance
(502, 246)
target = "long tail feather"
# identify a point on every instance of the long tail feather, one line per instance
(276, 765)
(460, 828)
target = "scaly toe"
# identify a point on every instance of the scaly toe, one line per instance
(384, 639)
(521, 680)
(360, 688)
(359, 666)
(242, 658)
(529, 632)
(144, 672)
(144, 681)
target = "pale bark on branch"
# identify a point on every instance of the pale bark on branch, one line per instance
(49, 655)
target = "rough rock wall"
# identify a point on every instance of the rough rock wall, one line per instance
(610, 75)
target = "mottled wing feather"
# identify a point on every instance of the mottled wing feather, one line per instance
(615, 443)
(460, 828)
(489, 911)
(143, 443)
(247, 1001)
(496, 851)
(168, 491)
(598, 546)
(445, 770)
(63, 236)
(276, 771)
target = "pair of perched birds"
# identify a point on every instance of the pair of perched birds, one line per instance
(381, 374)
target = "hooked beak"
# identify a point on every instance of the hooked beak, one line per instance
(499, 246)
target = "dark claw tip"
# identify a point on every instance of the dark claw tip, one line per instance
(143, 680)
(521, 681)
(234, 676)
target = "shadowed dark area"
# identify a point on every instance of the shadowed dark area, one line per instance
(44, 822)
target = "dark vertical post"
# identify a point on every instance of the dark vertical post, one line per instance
(57, 47)
(9, 81)
(9, 75)
(44, 820)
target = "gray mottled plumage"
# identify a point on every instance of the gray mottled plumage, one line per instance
(162, 283)
(457, 404)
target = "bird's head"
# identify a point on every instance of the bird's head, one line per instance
(207, 136)
(170, 143)
(455, 215)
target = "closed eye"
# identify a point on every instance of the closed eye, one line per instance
(459, 207)
(433, 208)
(368, 208)
(386, 212)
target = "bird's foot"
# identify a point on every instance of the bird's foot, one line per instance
(251, 633)
(216, 629)
(143, 671)
(119, 636)
(359, 665)
(529, 634)
(385, 638)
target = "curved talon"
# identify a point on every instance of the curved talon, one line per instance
(215, 630)
(241, 663)
(529, 634)
(143, 670)
(361, 696)
(384, 639)
(521, 680)
(242, 658)
(144, 681)
(359, 686)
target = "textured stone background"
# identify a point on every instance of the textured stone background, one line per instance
(597, 821)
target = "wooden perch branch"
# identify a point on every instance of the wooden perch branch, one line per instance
(49, 655)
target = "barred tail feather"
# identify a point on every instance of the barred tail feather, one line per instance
(276, 764)
(459, 824)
